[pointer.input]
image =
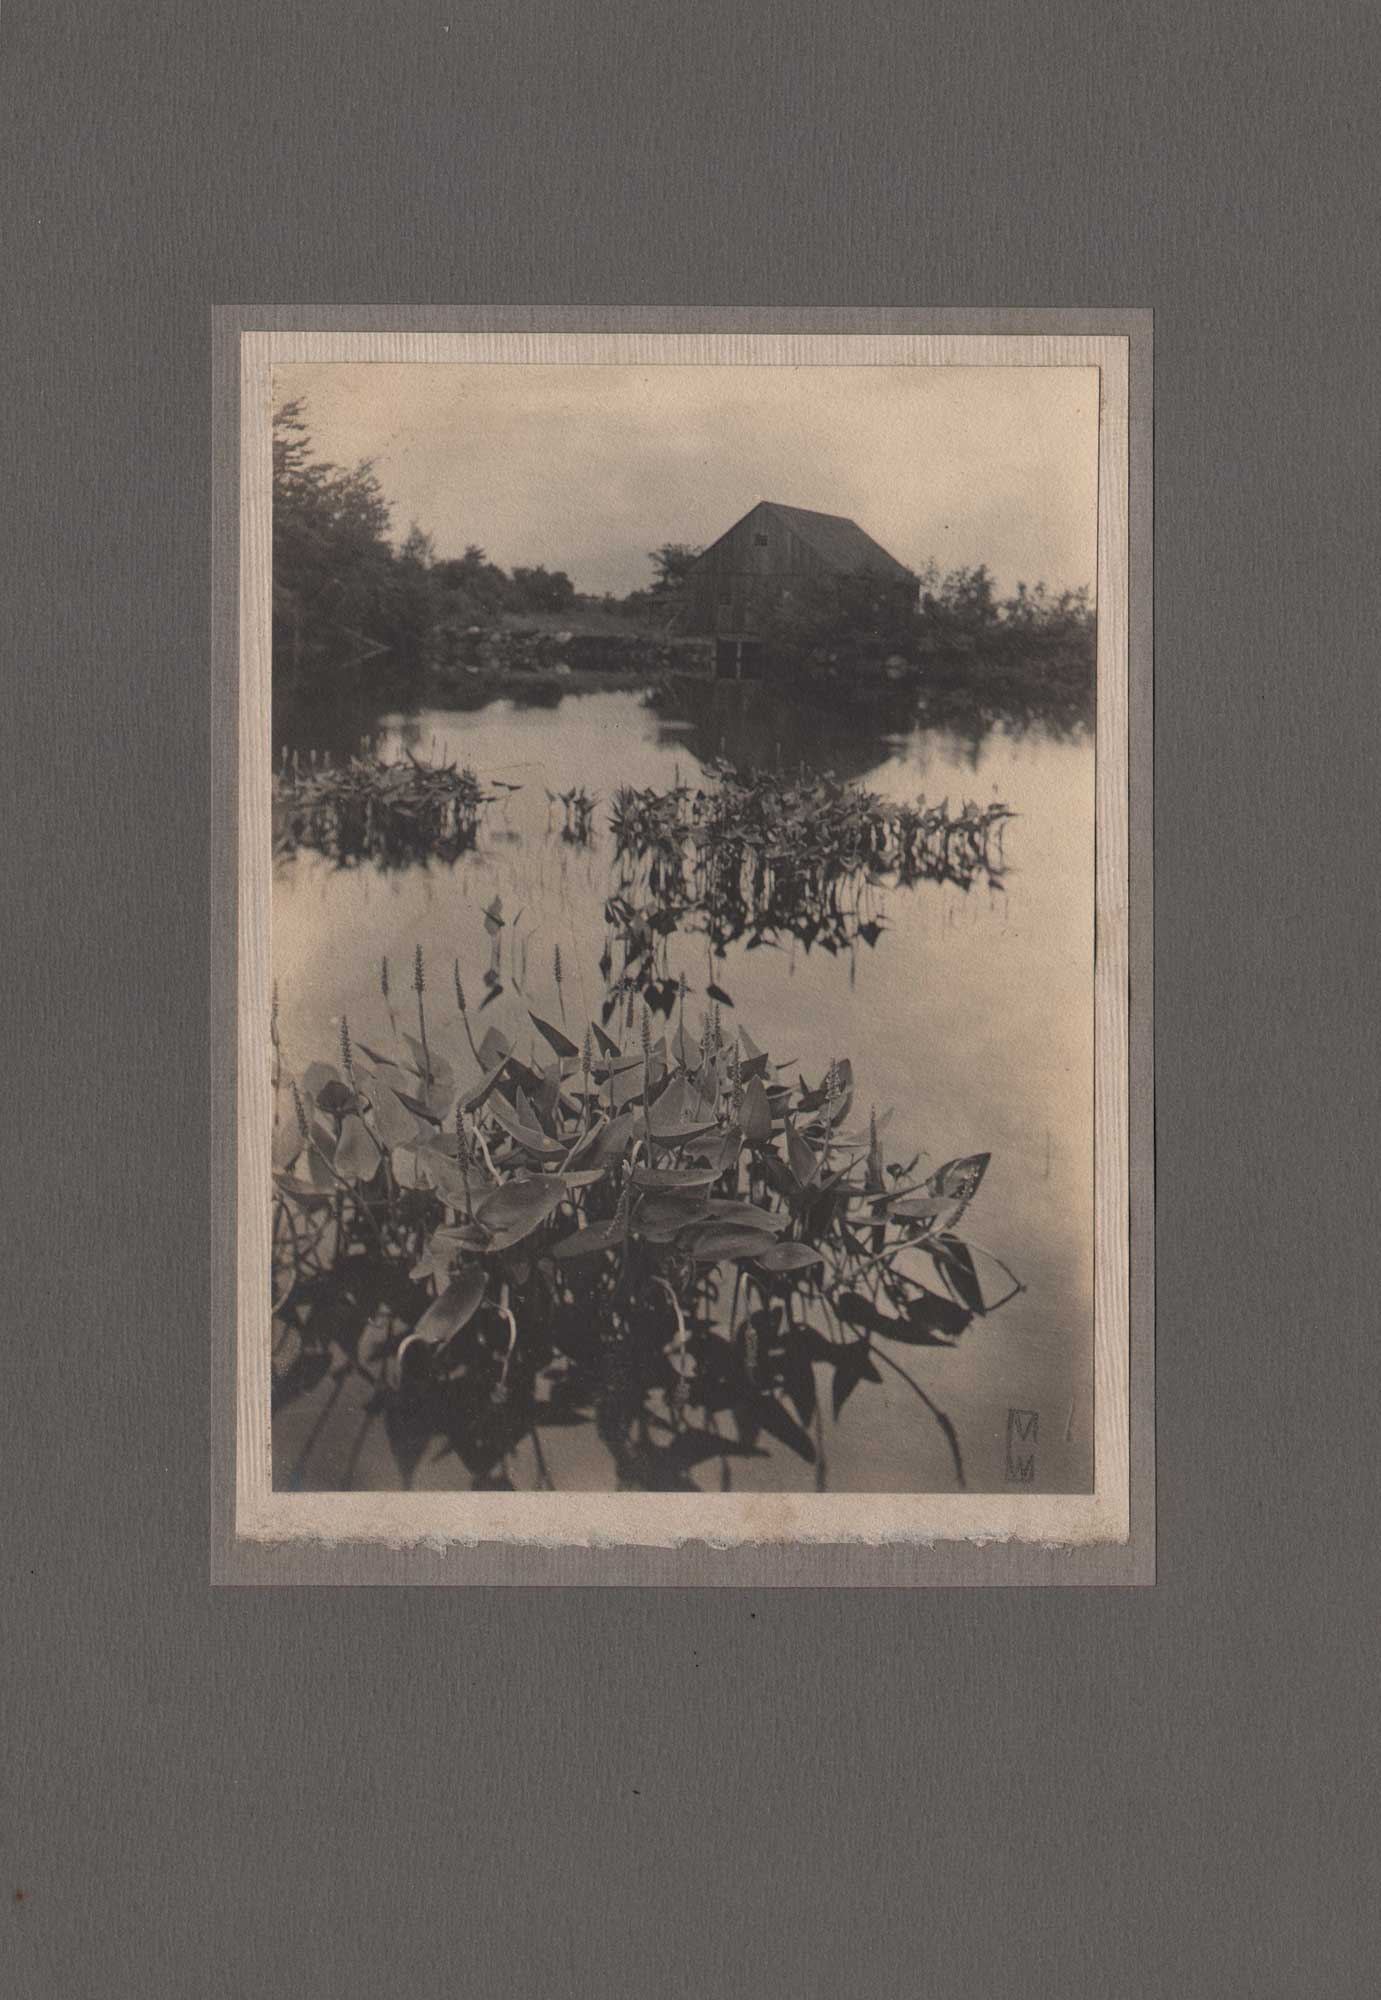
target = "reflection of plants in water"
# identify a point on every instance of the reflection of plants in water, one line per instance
(769, 855)
(646, 1238)
(578, 805)
(364, 809)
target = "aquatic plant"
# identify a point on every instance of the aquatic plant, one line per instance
(769, 855)
(578, 806)
(642, 1235)
(367, 809)
(808, 821)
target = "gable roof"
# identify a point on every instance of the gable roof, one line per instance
(842, 543)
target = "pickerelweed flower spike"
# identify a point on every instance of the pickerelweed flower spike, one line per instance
(418, 977)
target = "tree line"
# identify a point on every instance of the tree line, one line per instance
(345, 595)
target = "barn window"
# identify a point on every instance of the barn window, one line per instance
(759, 541)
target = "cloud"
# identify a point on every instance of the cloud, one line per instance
(586, 468)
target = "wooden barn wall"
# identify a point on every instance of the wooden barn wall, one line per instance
(735, 569)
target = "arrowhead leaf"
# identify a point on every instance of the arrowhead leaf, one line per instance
(515, 1210)
(755, 1118)
(456, 1306)
(562, 1044)
(790, 1257)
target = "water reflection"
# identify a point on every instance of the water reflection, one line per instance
(972, 1015)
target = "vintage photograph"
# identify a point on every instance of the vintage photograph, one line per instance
(680, 1042)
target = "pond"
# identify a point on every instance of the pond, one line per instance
(965, 1006)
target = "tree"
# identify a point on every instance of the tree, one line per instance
(339, 591)
(541, 589)
(478, 587)
(417, 549)
(671, 563)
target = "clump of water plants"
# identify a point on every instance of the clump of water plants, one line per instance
(369, 809)
(809, 822)
(646, 1235)
(775, 857)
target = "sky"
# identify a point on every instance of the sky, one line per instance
(587, 467)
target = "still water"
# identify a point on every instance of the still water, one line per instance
(971, 1015)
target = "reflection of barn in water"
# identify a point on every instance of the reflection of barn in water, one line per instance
(760, 561)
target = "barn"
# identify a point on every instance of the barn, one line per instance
(759, 561)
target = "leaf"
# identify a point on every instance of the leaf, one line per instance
(397, 1127)
(955, 1261)
(660, 1218)
(520, 1207)
(670, 1179)
(428, 1059)
(562, 1044)
(728, 1242)
(453, 1185)
(493, 917)
(606, 1042)
(411, 1167)
(455, 1308)
(790, 1257)
(681, 1113)
(494, 1047)
(416, 1105)
(754, 1059)
(549, 1098)
(721, 1153)
(617, 1065)
(480, 1091)
(933, 1211)
(684, 1049)
(590, 1242)
(452, 1238)
(604, 1144)
(302, 1192)
(287, 1143)
(755, 1117)
(959, 1179)
(527, 1136)
(718, 994)
(804, 1163)
(747, 1214)
(626, 1079)
(315, 1079)
(357, 1155)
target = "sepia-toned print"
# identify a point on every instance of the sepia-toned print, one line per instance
(679, 1066)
